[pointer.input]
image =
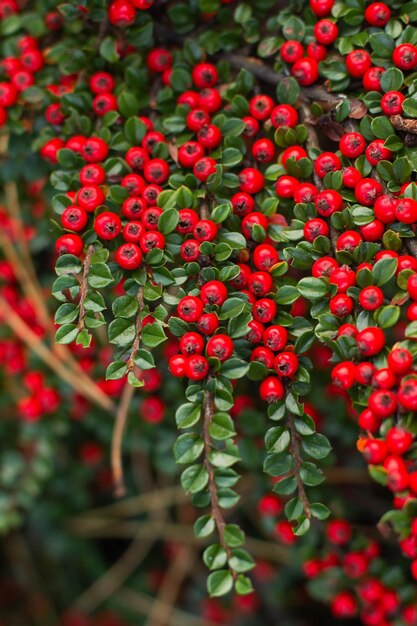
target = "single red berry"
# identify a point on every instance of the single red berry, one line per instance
(264, 310)
(197, 367)
(358, 62)
(74, 218)
(271, 389)
(275, 337)
(190, 308)
(263, 355)
(291, 51)
(214, 292)
(121, 13)
(69, 244)
(344, 374)
(392, 103)
(406, 210)
(205, 230)
(372, 78)
(371, 298)
(367, 191)
(129, 256)
(321, 7)
(382, 402)
(286, 364)
(327, 162)
(352, 145)
(204, 75)
(326, 32)
(107, 225)
(284, 115)
(341, 305)
(400, 361)
(377, 14)
(314, 228)
(208, 323)
(405, 56)
(251, 180)
(306, 71)
(220, 346)
(151, 240)
(407, 394)
(191, 343)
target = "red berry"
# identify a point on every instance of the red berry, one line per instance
(197, 367)
(129, 256)
(352, 145)
(358, 62)
(191, 343)
(190, 308)
(377, 14)
(284, 115)
(69, 244)
(107, 225)
(271, 389)
(220, 346)
(326, 31)
(291, 51)
(405, 56)
(214, 292)
(370, 341)
(286, 364)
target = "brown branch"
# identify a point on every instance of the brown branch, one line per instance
(84, 287)
(117, 440)
(142, 604)
(402, 123)
(178, 570)
(295, 450)
(34, 343)
(138, 332)
(208, 412)
(181, 533)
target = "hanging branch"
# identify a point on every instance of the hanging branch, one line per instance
(208, 412)
(84, 286)
(295, 451)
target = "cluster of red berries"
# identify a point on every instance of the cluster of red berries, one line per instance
(363, 594)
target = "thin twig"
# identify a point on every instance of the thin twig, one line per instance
(295, 450)
(180, 533)
(163, 605)
(141, 603)
(117, 440)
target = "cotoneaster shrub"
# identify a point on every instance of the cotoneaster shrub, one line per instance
(234, 208)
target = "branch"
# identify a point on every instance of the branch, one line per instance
(138, 332)
(295, 450)
(401, 123)
(84, 286)
(117, 440)
(208, 411)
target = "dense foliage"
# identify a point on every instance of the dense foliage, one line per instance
(226, 193)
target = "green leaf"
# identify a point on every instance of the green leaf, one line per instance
(317, 446)
(68, 264)
(187, 415)
(108, 50)
(204, 526)
(188, 448)
(382, 127)
(153, 335)
(219, 583)
(194, 478)
(319, 511)
(125, 306)
(122, 332)
(66, 313)
(243, 585)
(392, 79)
(310, 474)
(312, 288)
(99, 275)
(66, 333)
(128, 104)
(234, 535)
(410, 107)
(241, 561)
(168, 221)
(382, 44)
(277, 439)
(134, 131)
(232, 307)
(144, 359)
(234, 368)
(226, 457)
(116, 370)
(278, 464)
(384, 270)
(215, 556)
(221, 426)
(288, 90)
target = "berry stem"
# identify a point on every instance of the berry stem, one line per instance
(295, 450)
